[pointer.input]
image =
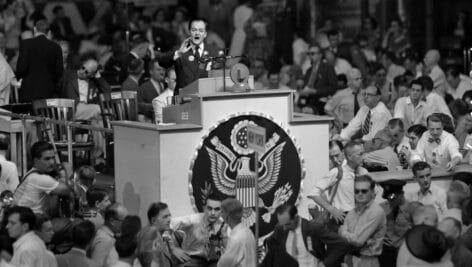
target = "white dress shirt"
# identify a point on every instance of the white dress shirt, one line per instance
(341, 105)
(160, 102)
(344, 198)
(303, 256)
(9, 175)
(404, 109)
(240, 249)
(436, 196)
(439, 78)
(437, 155)
(393, 71)
(436, 104)
(464, 85)
(83, 90)
(29, 250)
(380, 115)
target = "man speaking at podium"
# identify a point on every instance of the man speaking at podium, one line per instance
(193, 59)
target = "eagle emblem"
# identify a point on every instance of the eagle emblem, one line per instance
(224, 165)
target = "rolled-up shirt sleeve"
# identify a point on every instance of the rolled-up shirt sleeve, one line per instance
(453, 148)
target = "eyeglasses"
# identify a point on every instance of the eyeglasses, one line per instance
(361, 191)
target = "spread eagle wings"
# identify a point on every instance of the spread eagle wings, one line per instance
(271, 162)
(219, 165)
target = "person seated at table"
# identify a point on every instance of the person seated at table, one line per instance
(383, 156)
(413, 134)
(437, 147)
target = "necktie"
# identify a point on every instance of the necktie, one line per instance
(437, 140)
(356, 103)
(294, 245)
(197, 53)
(366, 124)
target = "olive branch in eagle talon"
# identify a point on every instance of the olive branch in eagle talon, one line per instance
(281, 196)
(269, 170)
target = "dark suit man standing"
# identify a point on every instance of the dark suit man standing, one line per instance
(39, 65)
(296, 240)
(320, 81)
(151, 89)
(189, 60)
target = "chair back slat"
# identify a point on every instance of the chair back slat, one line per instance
(118, 106)
(57, 109)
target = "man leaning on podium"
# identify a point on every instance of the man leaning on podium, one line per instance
(192, 59)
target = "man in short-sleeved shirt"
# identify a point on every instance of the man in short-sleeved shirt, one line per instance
(37, 183)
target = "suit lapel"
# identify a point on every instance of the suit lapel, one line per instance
(75, 84)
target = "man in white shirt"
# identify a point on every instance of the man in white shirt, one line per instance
(343, 200)
(342, 106)
(28, 249)
(411, 109)
(437, 147)
(161, 101)
(37, 183)
(241, 246)
(435, 103)
(9, 171)
(432, 69)
(428, 194)
(371, 118)
(458, 83)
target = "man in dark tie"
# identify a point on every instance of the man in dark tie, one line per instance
(371, 118)
(191, 59)
(39, 65)
(320, 80)
(151, 89)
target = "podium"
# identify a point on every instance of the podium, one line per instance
(204, 152)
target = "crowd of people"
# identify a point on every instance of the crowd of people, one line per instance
(391, 111)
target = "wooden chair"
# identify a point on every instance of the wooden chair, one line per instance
(118, 106)
(64, 110)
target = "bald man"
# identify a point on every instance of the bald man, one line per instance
(342, 105)
(84, 85)
(432, 69)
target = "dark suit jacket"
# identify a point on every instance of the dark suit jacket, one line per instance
(325, 82)
(327, 246)
(56, 28)
(186, 70)
(74, 258)
(40, 66)
(146, 93)
(70, 87)
(129, 85)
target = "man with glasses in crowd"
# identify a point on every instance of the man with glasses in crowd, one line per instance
(320, 81)
(364, 226)
(371, 118)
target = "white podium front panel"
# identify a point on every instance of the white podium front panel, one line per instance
(170, 150)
